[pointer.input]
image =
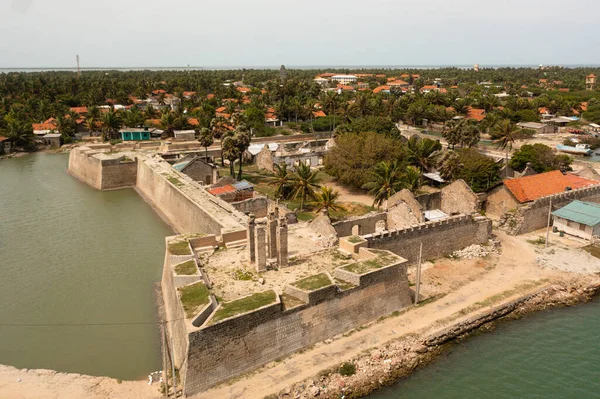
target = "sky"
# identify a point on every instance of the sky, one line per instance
(177, 33)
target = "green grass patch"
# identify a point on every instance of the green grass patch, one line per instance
(383, 259)
(179, 248)
(241, 274)
(538, 241)
(289, 301)
(187, 268)
(244, 305)
(347, 369)
(192, 297)
(344, 285)
(305, 216)
(355, 239)
(174, 180)
(312, 283)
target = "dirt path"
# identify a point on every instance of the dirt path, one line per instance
(349, 194)
(516, 267)
(48, 384)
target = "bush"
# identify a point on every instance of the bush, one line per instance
(541, 157)
(115, 141)
(267, 131)
(347, 369)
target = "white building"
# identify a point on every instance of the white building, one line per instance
(345, 79)
(580, 219)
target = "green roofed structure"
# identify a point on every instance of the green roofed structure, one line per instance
(580, 219)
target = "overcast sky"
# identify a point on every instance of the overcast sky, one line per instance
(130, 33)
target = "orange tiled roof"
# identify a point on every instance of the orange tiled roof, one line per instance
(153, 122)
(543, 110)
(193, 121)
(221, 109)
(224, 115)
(564, 89)
(188, 93)
(80, 110)
(584, 106)
(244, 89)
(2, 138)
(530, 188)
(543, 80)
(476, 113)
(591, 75)
(380, 89)
(347, 88)
(159, 91)
(319, 114)
(210, 96)
(398, 82)
(429, 87)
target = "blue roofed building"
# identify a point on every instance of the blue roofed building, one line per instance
(580, 219)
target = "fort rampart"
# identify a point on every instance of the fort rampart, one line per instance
(439, 238)
(220, 350)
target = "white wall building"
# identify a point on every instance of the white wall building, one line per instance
(345, 79)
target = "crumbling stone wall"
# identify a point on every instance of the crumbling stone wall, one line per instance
(257, 205)
(400, 216)
(409, 199)
(367, 224)
(234, 346)
(438, 237)
(458, 198)
(430, 201)
(264, 159)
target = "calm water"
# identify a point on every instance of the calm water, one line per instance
(554, 354)
(70, 254)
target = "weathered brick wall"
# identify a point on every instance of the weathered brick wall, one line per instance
(85, 168)
(439, 238)
(227, 349)
(180, 211)
(534, 216)
(119, 175)
(367, 224)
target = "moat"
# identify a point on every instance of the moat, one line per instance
(78, 269)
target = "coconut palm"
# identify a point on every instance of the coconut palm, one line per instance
(385, 181)
(231, 152)
(168, 122)
(506, 132)
(304, 181)
(133, 118)
(242, 141)
(219, 128)
(150, 112)
(18, 133)
(362, 104)
(449, 165)
(206, 139)
(111, 123)
(327, 199)
(423, 153)
(282, 179)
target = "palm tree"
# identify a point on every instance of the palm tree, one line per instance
(242, 141)
(150, 112)
(362, 104)
(90, 124)
(231, 152)
(219, 128)
(449, 165)
(304, 182)
(327, 200)
(206, 140)
(20, 134)
(385, 181)
(329, 102)
(168, 122)
(423, 152)
(133, 118)
(506, 132)
(411, 178)
(282, 179)
(111, 123)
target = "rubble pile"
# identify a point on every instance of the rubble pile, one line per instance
(476, 251)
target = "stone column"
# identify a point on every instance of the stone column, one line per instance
(271, 235)
(282, 243)
(251, 245)
(260, 249)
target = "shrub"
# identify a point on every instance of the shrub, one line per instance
(347, 369)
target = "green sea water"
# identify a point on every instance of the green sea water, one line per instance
(552, 354)
(70, 254)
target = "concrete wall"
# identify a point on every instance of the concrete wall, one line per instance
(234, 346)
(256, 205)
(367, 224)
(180, 211)
(439, 237)
(534, 216)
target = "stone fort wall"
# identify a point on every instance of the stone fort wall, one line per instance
(101, 171)
(438, 237)
(534, 216)
(240, 344)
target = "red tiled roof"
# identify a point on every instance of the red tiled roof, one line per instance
(380, 89)
(543, 110)
(224, 115)
(159, 91)
(397, 82)
(530, 188)
(244, 89)
(80, 110)
(347, 88)
(476, 113)
(319, 114)
(222, 190)
(221, 109)
(210, 96)
(193, 121)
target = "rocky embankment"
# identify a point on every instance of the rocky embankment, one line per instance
(397, 360)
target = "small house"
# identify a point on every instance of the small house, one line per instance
(52, 139)
(135, 134)
(185, 135)
(538, 128)
(579, 219)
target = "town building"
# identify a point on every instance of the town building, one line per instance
(590, 82)
(134, 134)
(538, 128)
(345, 79)
(579, 218)
(514, 193)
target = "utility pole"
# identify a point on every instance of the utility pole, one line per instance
(418, 286)
(164, 353)
(548, 226)
(78, 67)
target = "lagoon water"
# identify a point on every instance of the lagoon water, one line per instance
(552, 354)
(77, 266)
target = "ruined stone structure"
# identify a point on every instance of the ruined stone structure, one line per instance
(101, 170)
(264, 159)
(457, 198)
(200, 170)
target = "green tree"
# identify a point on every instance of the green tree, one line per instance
(111, 123)
(384, 181)
(422, 153)
(231, 152)
(327, 199)
(242, 141)
(282, 180)
(206, 139)
(304, 182)
(541, 157)
(477, 170)
(506, 132)
(18, 133)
